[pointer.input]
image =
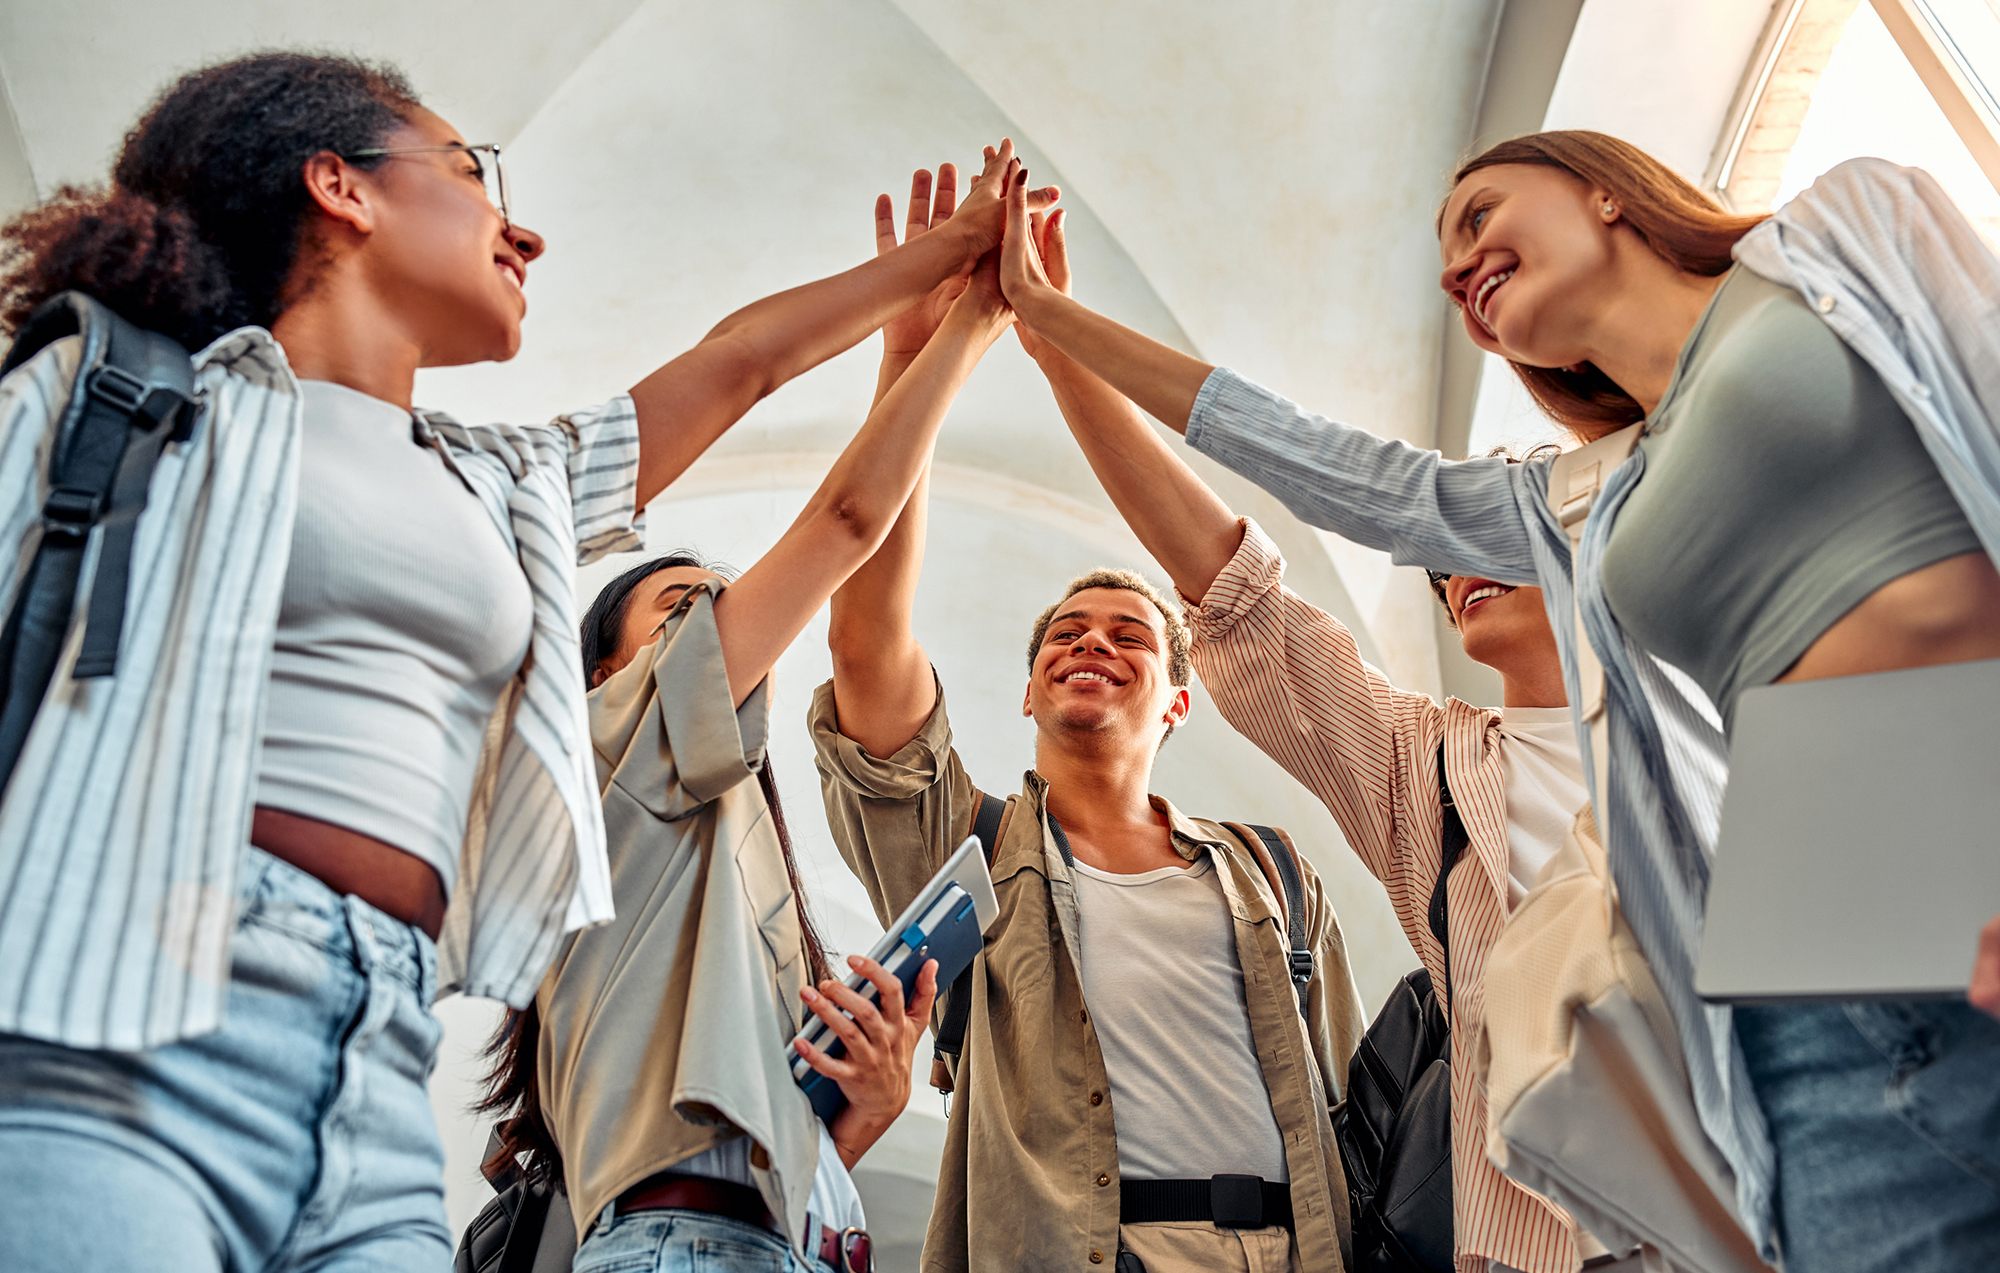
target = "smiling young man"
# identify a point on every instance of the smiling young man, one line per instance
(1290, 677)
(1134, 1032)
(1132, 1021)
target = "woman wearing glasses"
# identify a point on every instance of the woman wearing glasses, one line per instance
(348, 690)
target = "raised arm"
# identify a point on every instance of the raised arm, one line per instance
(883, 689)
(1474, 517)
(1162, 380)
(691, 401)
(864, 493)
(1183, 524)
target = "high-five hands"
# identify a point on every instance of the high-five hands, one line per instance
(1048, 253)
(981, 218)
(979, 221)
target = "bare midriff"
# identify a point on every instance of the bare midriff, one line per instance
(346, 861)
(1946, 612)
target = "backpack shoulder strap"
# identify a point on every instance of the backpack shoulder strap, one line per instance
(949, 1037)
(1456, 837)
(134, 392)
(1279, 856)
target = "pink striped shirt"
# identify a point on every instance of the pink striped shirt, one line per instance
(1289, 677)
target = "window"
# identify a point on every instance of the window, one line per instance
(1916, 82)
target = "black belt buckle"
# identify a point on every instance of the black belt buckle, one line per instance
(1236, 1202)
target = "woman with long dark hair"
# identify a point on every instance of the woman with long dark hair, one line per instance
(344, 761)
(653, 1073)
(1817, 494)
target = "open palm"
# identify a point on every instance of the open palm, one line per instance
(908, 331)
(1043, 259)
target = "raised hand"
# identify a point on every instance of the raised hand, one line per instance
(982, 217)
(1023, 276)
(907, 332)
(1051, 251)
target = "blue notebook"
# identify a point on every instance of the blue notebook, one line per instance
(947, 922)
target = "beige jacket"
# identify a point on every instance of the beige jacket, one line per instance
(1030, 1174)
(667, 1029)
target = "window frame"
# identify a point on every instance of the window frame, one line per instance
(1917, 34)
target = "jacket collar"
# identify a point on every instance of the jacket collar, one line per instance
(1188, 836)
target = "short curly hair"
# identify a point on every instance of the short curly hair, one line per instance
(1180, 668)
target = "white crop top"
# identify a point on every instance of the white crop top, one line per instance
(404, 616)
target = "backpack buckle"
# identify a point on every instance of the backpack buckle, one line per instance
(1302, 967)
(69, 511)
(118, 387)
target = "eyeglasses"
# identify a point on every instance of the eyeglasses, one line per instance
(1439, 578)
(492, 176)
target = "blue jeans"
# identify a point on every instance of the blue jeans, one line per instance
(1886, 1118)
(671, 1241)
(298, 1136)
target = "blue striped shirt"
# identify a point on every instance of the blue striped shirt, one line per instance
(1898, 273)
(126, 817)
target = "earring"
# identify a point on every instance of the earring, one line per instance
(1609, 209)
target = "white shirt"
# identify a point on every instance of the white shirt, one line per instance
(1160, 974)
(834, 1201)
(1543, 762)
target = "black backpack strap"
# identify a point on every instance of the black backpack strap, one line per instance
(1455, 839)
(134, 392)
(1293, 885)
(507, 1233)
(949, 1039)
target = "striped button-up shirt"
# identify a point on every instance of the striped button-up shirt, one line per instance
(126, 817)
(1289, 678)
(1897, 273)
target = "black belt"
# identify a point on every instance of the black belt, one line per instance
(1228, 1202)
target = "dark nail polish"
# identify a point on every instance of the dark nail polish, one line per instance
(1021, 178)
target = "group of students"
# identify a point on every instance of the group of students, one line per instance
(357, 753)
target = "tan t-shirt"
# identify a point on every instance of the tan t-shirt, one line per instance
(667, 1029)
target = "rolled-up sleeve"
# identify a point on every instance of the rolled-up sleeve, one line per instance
(1464, 516)
(896, 818)
(604, 479)
(1287, 676)
(583, 466)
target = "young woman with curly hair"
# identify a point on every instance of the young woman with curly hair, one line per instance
(344, 762)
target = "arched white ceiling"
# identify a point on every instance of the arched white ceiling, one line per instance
(1251, 181)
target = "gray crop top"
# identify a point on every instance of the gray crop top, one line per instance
(404, 616)
(1783, 484)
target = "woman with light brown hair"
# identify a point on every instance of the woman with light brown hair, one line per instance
(1817, 494)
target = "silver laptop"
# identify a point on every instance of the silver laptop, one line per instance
(1859, 852)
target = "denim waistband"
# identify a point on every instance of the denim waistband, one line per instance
(274, 892)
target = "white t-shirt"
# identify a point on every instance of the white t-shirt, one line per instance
(1543, 762)
(1166, 997)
